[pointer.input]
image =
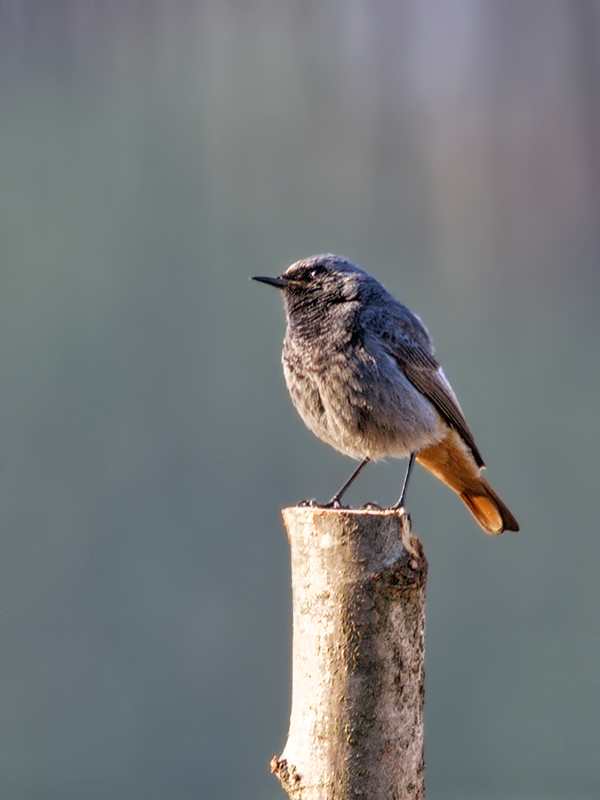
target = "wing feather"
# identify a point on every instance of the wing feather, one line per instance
(423, 371)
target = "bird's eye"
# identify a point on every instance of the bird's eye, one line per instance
(313, 273)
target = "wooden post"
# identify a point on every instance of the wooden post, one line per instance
(356, 728)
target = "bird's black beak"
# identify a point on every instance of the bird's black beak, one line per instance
(280, 283)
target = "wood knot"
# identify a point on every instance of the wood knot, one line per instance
(285, 772)
(274, 764)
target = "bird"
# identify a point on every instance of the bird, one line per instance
(362, 373)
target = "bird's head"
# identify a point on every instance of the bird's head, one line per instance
(315, 285)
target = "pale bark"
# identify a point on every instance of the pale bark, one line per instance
(356, 728)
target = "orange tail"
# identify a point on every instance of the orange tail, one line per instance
(488, 509)
(452, 462)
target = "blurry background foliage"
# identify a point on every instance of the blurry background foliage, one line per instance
(153, 156)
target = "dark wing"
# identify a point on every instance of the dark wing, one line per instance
(422, 370)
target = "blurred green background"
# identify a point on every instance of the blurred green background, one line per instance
(153, 156)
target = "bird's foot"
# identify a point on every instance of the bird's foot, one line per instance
(401, 511)
(333, 503)
(371, 507)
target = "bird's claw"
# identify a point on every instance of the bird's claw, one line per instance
(371, 507)
(333, 503)
(402, 512)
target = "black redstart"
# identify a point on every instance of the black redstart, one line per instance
(362, 374)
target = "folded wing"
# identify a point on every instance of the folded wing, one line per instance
(423, 371)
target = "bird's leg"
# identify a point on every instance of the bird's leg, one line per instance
(336, 500)
(411, 463)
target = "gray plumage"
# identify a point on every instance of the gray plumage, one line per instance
(362, 373)
(359, 366)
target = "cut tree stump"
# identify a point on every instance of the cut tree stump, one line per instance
(356, 728)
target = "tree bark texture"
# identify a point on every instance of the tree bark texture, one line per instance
(356, 728)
